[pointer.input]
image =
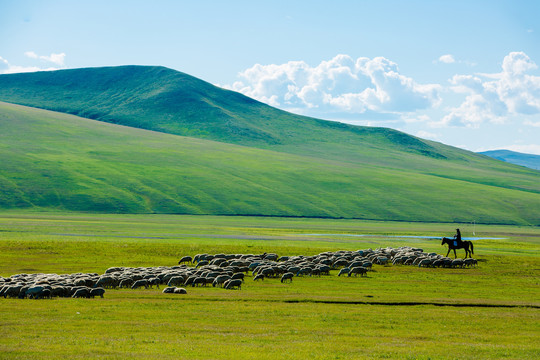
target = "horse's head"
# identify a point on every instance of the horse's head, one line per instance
(444, 241)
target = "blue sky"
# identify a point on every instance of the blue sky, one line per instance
(464, 73)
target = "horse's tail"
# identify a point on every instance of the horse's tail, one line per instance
(472, 247)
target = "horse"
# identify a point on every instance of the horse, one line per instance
(465, 244)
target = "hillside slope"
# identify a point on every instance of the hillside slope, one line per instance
(58, 161)
(165, 100)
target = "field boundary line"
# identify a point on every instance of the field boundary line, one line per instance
(411, 303)
(380, 303)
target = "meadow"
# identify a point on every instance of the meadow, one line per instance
(406, 312)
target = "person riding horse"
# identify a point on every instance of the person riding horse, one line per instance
(457, 243)
(457, 238)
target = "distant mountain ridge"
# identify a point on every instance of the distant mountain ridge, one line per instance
(528, 160)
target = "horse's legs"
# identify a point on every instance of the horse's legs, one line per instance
(448, 251)
(455, 254)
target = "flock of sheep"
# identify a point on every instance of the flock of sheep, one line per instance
(227, 271)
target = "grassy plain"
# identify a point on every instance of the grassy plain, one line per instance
(491, 312)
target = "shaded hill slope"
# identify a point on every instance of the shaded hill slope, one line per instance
(165, 100)
(58, 161)
(527, 160)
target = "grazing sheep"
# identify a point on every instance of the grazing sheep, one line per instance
(304, 271)
(114, 269)
(424, 263)
(180, 291)
(287, 276)
(185, 259)
(438, 263)
(153, 281)
(470, 262)
(268, 272)
(271, 257)
(106, 282)
(202, 263)
(83, 292)
(457, 263)
(357, 270)
(199, 280)
(32, 291)
(340, 263)
(238, 276)
(45, 293)
(12, 291)
(218, 281)
(324, 269)
(258, 277)
(190, 280)
(125, 283)
(343, 271)
(97, 292)
(59, 291)
(231, 284)
(137, 284)
(176, 280)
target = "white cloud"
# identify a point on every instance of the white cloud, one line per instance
(532, 123)
(427, 135)
(31, 55)
(7, 68)
(57, 59)
(496, 97)
(447, 59)
(339, 85)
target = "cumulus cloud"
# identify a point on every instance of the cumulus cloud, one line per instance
(496, 97)
(427, 135)
(447, 59)
(527, 149)
(339, 85)
(532, 123)
(57, 59)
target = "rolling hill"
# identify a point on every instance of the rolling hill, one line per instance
(190, 147)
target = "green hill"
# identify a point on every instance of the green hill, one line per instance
(59, 161)
(165, 100)
(239, 157)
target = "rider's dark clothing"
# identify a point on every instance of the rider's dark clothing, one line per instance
(457, 238)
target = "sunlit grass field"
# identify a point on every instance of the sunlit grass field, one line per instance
(406, 312)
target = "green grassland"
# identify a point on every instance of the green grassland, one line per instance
(404, 312)
(61, 162)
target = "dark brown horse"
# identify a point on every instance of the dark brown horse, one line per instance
(453, 245)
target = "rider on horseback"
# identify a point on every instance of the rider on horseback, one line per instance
(457, 238)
